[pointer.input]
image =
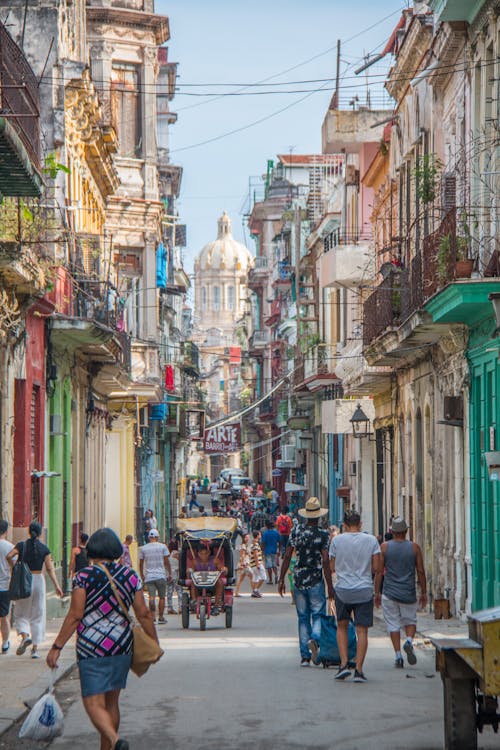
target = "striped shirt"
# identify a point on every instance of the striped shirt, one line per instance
(256, 558)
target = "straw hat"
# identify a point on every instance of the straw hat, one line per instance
(399, 524)
(313, 509)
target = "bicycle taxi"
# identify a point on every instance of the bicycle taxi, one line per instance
(206, 568)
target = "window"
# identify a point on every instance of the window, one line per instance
(203, 297)
(230, 298)
(216, 298)
(125, 109)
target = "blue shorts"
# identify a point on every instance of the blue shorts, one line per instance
(103, 674)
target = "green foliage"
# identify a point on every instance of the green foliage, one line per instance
(426, 174)
(443, 257)
(53, 167)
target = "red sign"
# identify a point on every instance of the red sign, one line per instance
(223, 439)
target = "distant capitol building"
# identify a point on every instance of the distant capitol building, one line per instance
(220, 277)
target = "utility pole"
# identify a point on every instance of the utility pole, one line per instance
(334, 101)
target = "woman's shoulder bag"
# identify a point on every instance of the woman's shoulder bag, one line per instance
(145, 651)
(20, 579)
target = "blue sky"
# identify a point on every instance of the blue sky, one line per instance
(228, 41)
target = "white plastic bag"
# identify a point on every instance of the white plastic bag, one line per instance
(45, 720)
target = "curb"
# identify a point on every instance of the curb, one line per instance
(34, 692)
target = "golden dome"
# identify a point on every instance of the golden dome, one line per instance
(224, 253)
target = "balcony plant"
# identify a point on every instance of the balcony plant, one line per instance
(426, 175)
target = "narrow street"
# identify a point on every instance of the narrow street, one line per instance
(244, 688)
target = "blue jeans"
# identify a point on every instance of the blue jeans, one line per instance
(310, 604)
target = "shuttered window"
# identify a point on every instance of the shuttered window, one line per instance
(125, 109)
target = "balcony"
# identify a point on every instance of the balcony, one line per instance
(190, 359)
(317, 367)
(267, 410)
(282, 275)
(20, 269)
(19, 122)
(274, 313)
(350, 262)
(258, 274)
(259, 340)
(357, 376)
(396, 323)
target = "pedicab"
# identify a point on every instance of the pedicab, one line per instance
(206, 568)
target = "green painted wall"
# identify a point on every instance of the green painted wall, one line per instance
(59, 460)
(483, 355)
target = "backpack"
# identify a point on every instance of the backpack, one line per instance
(284, 525)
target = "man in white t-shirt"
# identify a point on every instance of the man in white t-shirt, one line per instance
(5, 571)
(154, 567)
(355, 558)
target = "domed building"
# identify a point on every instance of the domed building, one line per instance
(220, 273)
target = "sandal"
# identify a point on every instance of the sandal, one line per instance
(23, 645)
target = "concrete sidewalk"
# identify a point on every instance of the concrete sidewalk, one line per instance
(24, 680)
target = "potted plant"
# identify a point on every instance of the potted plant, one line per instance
(463, 263)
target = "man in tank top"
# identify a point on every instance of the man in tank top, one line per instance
(402, 559)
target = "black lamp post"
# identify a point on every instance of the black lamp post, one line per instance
(360, 423)
(494, 298)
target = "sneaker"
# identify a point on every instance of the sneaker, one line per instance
(313, 647)
(343, 673)
(304, 662)
(399, 663)
(171, 612)
(359, 677)
(5, 647)
(410, 653)
(35, 654)
(23, 646)
(162, 620)
(255, 594)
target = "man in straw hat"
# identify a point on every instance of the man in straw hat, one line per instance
(355, 556)
(310, 574)
(401, 559)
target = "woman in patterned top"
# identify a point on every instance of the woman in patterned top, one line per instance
(104, 635)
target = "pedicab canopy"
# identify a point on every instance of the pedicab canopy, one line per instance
(206, 527)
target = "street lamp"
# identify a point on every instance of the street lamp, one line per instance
(360, 423)
(494, 298)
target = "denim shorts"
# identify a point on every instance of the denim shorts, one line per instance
(270, 561)
(159, 586)
(103, 674)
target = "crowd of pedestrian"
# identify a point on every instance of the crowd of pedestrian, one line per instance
(330, 570)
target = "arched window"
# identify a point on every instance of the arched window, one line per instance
(216, 298)
(230, 298)
(203, 297)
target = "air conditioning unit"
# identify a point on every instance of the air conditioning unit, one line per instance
(288, 453)
(453, 411)
(144, 417)
(353, 468)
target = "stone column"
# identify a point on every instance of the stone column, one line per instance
(149, 78)
(149, 293)
(101, 55)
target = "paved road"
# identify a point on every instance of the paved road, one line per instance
(243, 688)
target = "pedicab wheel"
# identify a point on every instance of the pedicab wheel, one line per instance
(203, 617)
(229, 617)
(460, 729)
(185, 611)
